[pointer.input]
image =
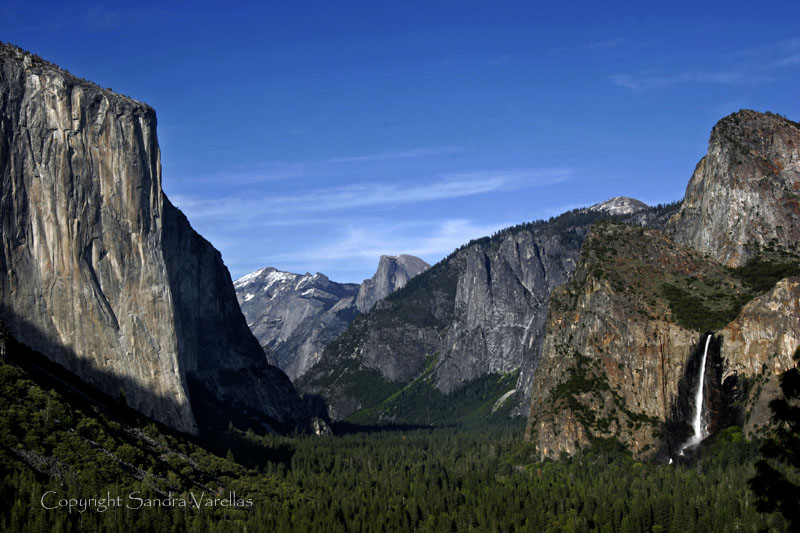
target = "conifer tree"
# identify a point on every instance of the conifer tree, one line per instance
(776, 480)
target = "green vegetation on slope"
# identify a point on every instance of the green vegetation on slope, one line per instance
(697, 305)
(426, 303)
(421, 403)
(710, 304)
(421, 480)
(761, 273)
(657, 275)
(81, 444)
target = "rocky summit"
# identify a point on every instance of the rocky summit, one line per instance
(620, 205)
(99, 272)
(476, 317)
(393, 273)
(628, 336)
(295, 316)
(744, 195)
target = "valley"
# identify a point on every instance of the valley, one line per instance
(610, 368)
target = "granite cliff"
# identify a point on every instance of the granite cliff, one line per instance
(103, 275)
(393, 273)
(744, 195)
(477, 315)
(624, 337)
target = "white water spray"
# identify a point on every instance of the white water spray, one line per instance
(697, 422)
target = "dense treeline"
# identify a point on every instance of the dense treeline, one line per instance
(455, 481)
(445, 479)
(710, 304)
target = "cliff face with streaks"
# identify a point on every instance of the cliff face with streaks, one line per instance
(744, 195)
(617, 361)
(625, 337)
(478, 314)
(102, 274)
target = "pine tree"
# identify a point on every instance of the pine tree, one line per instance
(774, 482)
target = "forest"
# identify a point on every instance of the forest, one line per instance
(58, 444)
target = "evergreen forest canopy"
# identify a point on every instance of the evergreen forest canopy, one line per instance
(59, 437)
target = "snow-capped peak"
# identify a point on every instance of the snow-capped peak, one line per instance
(248, 278)
(620, 205)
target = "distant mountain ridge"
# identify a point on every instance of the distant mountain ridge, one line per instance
(620, 205)
(478, 314)
(295, 316)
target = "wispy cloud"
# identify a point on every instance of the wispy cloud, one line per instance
(431, 239)
(751, 66)
(610, 43)
(269, 172)
(596, 45)
(498, 61)
(650, 80)
(771, 55)
(787, 53)
(788, 61)
(390, 155)
(236, 209)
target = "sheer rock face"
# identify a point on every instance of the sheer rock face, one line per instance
(500, 306)
(295, 316)
(227, 370)
(616, 361)
(613, 357)
(480, 311)
(744, 194)
(393, 273)
(759, 345)
(99, 272)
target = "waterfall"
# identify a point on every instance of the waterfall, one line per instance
(697, 421)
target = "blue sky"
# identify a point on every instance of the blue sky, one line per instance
(315, 136)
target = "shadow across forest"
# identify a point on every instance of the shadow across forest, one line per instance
(342, 427)
(81, 387)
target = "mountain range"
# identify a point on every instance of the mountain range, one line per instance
(477, 315)
(295, 316)
(593, 323)
(597, 324)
